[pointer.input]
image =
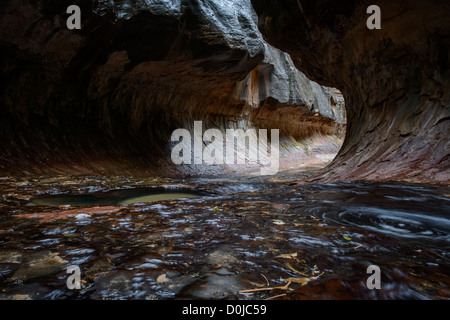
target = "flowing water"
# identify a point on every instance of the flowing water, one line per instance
(233, 239)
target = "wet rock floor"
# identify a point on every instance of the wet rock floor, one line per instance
(247, 237)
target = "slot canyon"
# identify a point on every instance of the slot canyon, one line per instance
(87, 172)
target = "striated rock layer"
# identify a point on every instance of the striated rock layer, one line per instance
(105, 99)
(396, 81)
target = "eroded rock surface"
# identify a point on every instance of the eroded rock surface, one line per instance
(396, 81)
(107, 97)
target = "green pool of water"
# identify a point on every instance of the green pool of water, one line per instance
(158, 197)
(115, 197)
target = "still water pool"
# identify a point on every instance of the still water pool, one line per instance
(115, 197)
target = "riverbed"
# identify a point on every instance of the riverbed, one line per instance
(237, 237)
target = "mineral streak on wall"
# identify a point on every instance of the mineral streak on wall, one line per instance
(104, 99)
(396, 81)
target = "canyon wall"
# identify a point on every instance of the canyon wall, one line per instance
(395, 80)
(104, 99)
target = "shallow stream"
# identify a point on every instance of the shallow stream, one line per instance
(236, 238)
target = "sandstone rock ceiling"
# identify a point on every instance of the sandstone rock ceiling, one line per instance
(396, 81)
(103, 99)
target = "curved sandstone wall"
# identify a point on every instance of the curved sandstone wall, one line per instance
(105, 99)
(396, 81)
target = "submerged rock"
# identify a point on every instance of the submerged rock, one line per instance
(41, 265)
(214, 286)
(220, 257)
(81, 213)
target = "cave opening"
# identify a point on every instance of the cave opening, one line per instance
(114, 158)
